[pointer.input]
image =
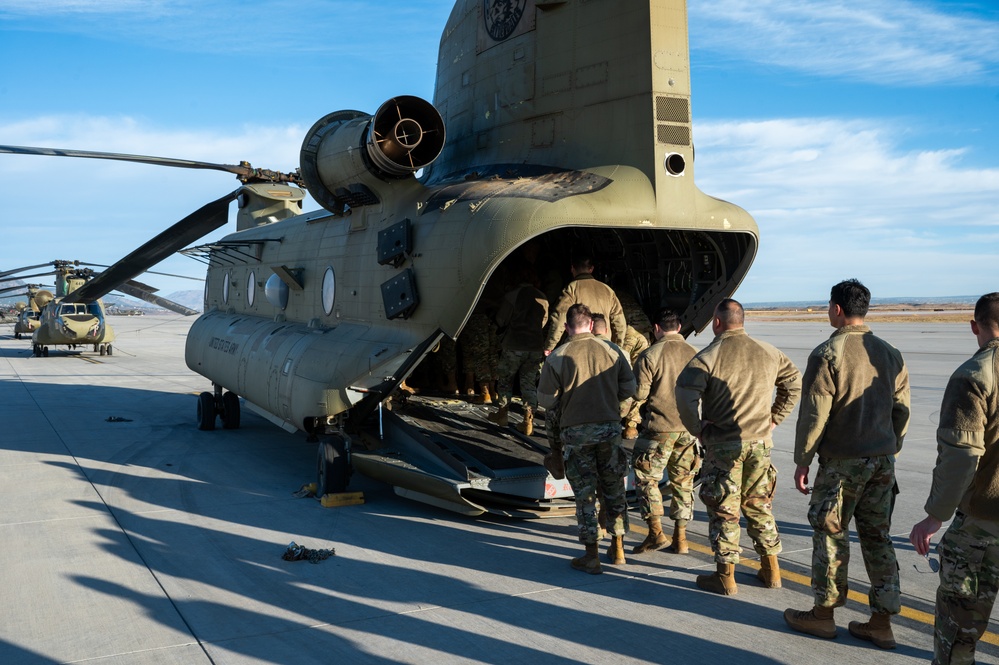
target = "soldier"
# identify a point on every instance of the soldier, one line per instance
(585, 288)
(966, 480)
(588, 378)
(634, 344)
(733, 379)
(478, 353)
(522, 316)
(854, 415)
(663, 443)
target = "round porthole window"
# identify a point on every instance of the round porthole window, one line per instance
(276, 292)
(329, 291)
(251, 288)
(225, 289)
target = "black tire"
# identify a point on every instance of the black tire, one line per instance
(333, 473)
(101, 350)
(17, 335)
(206, 411)
(45, 351)
(109, 349)
(230, 410)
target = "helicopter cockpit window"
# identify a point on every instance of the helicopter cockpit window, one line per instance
(72, 308)
(329, 291)
(225, 289)
(251, 288)
(94, 309)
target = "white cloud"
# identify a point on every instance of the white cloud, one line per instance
(916, 222)
(897, 42)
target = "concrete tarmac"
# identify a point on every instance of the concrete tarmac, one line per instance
(131, 537)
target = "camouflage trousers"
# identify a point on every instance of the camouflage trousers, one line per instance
(528, 365)
(738, 477)
(479, 347)
(595, 461)
(860, 489)
(675, 453)
(969, 577)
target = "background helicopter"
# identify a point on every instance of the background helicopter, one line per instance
(68, 318)
(562, 125)
(26, 319)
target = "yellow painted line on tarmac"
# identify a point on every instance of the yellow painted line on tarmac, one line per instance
(789, 576)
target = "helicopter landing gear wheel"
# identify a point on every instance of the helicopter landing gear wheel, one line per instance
(101, 349)
(45, 351)
(333, 472)
(206, 411)
(109, 349)
(97, 347)
(17, 335)
(230, 410)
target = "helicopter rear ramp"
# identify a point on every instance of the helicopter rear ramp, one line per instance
(446, 453)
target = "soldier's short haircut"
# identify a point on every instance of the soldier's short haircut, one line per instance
(581, 262)
(987, 310)
(667, 319)
(599, 323)
(853, 297)
(730, 312)
(578, 316)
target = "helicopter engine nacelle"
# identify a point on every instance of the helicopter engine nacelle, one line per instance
(348, 158)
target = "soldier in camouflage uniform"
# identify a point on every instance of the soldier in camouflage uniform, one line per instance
(634, 344)
(588, 378)
(966, 480)
(522, 315)
(732, 380)
(854, 415)
(663, 444)
(479, 353)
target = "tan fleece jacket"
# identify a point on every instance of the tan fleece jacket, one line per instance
(855, 401)
(967, 469)
(596, 295)
(655, 373)
(733, 380)
(588, 378)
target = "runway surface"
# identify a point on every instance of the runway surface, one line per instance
(129, 536)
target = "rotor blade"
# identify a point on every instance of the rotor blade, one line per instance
(17, 270)
(244, 170)
(141, 159)
(200, 222)
(37, 274)
(20, 287)
(151, 272)
(129, 289)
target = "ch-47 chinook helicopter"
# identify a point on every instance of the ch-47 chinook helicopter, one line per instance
(67, 318)
(26, 320)
(561, 123)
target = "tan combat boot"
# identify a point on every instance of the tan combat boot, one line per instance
(769, 572)
(484, 396)
(722, 581)
(877, 630)
(817, 621)
(630, 430)
(500, 417)
(679, 544)
(527, 427)
(469, 383)
(655, 539)
(615, 551)
(589, 562)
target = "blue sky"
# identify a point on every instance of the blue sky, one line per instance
(863, 135)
